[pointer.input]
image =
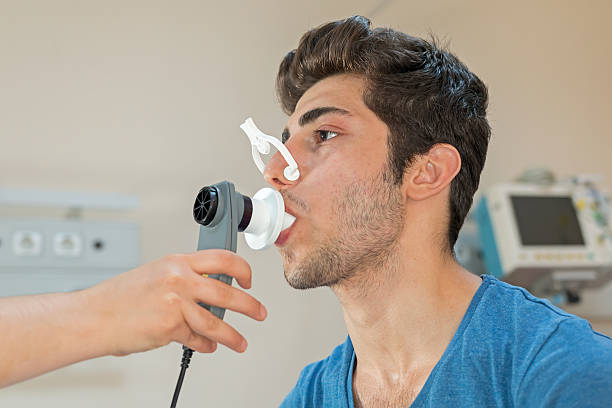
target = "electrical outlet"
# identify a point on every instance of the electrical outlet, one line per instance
(72, 254)
(27, 243)
(67, 244)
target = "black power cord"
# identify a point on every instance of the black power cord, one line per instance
(187, 353)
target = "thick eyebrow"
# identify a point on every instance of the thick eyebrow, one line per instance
(313, 115)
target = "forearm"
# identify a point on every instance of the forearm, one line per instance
(139, 310)
(44, 332)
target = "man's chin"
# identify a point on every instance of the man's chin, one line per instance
(308, 269)
(297, 280)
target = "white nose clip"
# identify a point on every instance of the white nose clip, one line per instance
(260, 143)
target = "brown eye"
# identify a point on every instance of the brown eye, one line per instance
(285, 136)
(325, 135)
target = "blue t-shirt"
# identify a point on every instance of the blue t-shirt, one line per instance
(511, 350)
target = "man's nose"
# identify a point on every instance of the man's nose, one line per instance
(274, 171)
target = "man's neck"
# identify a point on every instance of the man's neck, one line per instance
(402, 316)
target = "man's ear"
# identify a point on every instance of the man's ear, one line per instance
(432, 172)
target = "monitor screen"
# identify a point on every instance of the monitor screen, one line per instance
(547, 220)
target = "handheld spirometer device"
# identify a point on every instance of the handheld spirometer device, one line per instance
(222, 212)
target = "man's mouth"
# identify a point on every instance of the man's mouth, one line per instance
(284, 235)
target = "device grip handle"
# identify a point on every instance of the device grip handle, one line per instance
(217, 311)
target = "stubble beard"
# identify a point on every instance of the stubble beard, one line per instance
(370, 219)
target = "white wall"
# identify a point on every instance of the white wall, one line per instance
(145, 98)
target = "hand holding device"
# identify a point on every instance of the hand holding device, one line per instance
(222, 212)
(156, 303)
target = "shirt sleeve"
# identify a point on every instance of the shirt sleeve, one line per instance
(573, 368)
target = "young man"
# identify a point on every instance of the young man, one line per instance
(390, 135)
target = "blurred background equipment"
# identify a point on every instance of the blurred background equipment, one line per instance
(40, 255)
(551, 237)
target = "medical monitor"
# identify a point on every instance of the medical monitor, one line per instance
(530, 232)
(546, 221)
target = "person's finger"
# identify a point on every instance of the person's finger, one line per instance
(214, 292)
(205, 324)
(198, 343)
(220, 261)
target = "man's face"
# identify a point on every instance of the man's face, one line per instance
(348, 213)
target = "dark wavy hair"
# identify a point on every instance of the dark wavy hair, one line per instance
(423, 93)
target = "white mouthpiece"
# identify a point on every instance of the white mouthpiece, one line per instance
(288, 221)
(267, 220)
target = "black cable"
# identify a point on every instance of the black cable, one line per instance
(187, 353)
